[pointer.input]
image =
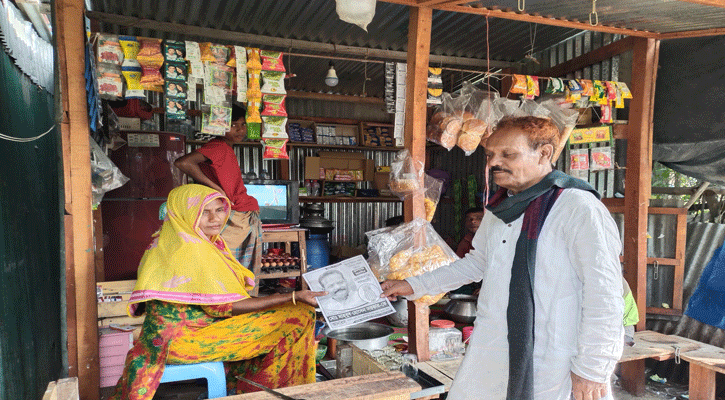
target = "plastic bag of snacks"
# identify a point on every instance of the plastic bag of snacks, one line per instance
(446, 123)
(406, 250)
(405, 174)
(433, 188)
(275, 149)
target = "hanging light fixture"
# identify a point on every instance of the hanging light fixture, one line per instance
(331, 78)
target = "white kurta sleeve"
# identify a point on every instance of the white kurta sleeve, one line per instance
(594, 249)
(452, 276)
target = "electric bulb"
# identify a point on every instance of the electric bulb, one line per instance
(331, 78)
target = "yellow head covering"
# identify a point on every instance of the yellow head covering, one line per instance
(182, 265)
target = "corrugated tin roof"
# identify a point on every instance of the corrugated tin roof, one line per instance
(453, 33)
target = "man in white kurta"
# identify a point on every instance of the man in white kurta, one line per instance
(577, 286)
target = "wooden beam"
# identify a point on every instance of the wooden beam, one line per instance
(545, 20)
(595, 56)
(270, 41)
(689, 34)
(428, 3)
(334, 97)
(639, 170)
(713, 3)
(419, 33)
(80, 280)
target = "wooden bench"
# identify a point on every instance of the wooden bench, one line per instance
(705, 361)
(379, 386)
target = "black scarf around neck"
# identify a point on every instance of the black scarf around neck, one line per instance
(535, 203)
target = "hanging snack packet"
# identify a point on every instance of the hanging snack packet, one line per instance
(109, 49)
(606, 116)
(175, 71)
(626, 94)
(254, 121)
(209, 129)
(275, 149)
(272, 61)
(232, 62)
(274, 127)
(110, 83)
(433, 188)
(532, 87)
(556, 85)
(220, 118)
(253, 59)
(601, 158)
(240, 54)
(214, 53)
(273, 82)
(174, 50)
(405, 175)
(611, 90)
(175, 108)
(254, 91)
(130, 47)
(134, 90)
(574, 86)
(519, 84)
(587, 87)
(435, 86)
(176, 89)
(274, 106)
(600, 93)
(151, 60)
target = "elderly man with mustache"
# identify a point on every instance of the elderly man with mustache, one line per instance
(549, 318)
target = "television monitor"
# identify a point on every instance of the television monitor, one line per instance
(278, 201)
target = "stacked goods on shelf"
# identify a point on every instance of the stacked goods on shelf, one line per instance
(377, 136)
(301, 131)
(337, 134)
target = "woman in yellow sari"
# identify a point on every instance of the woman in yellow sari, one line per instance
(198, 309)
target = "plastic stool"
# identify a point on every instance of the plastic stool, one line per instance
(213, 372)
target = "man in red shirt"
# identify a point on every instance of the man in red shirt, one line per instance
(216, 165)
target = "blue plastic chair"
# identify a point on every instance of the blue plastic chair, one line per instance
(213, 372)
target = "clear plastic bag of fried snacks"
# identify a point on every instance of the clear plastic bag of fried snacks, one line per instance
(409, 249)
(433, 188)
(445, 124)
(405, 175)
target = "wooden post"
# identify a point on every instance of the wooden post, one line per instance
(638, 177)
(419, 30)
(80, 269)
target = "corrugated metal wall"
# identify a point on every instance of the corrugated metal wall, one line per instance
(31, 347)
(618, 68)
(351, 220)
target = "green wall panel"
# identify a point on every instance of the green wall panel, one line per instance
(30, 239)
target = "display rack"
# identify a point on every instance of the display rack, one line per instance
(286, 236)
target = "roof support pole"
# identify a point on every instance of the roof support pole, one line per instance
(638, 177)
(419, 33)
(82, 313)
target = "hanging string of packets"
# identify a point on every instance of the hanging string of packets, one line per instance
(582, 93)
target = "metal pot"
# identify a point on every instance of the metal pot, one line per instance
(366, 336)
(462, 308)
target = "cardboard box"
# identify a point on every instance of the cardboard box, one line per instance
(381, 180)
(339, 160)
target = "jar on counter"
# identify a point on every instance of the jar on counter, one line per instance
(445, 343)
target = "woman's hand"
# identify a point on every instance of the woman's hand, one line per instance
(394, 288)
(308, 297)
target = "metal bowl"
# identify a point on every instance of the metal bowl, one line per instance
(366, 336)
(461, 308)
